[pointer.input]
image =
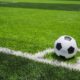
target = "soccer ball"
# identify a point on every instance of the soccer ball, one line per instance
(65, 46)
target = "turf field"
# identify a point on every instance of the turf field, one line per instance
(33, 30)
(16, 68)
(32, 26)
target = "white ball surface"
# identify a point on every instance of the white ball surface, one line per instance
(65, 46)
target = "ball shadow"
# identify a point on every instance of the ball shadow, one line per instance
(61, 58)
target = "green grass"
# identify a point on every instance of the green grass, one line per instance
(32, 26)
(17, 68)
(33, 30)
(53, 56)
(47, 1)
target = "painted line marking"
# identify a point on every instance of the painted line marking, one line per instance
(44, 52)
(39, 58)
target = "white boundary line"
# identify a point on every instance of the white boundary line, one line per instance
(39, 58)
(44, 52)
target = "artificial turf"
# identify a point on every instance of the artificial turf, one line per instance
(17, 68)
(34, 29)
(32, 26)
(53, 56)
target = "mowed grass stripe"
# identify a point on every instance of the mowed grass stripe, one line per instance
(48, 6)
(14, 68)
(45, 1)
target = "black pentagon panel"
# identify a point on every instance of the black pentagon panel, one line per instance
(58, 46)
(67, 38)
(70, 50)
